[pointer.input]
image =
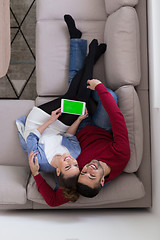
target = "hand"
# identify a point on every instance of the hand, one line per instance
(93, 83)
(81, 117)
(34, 166)
(54, 115)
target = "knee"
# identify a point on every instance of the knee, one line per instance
(113, 94)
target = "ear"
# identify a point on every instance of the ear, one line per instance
(58, 171)
(102, 181)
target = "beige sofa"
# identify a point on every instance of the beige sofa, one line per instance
(124, 68)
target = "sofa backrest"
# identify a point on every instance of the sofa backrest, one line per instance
(120, 31)
(52, 41)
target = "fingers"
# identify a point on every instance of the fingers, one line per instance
(58, 111)
(32, 155)
(59, 115)
(36, 161)
(93, 83)
(86, 115)
(88, 82)
(86, 112)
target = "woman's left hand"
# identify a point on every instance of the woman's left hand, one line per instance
(81, 117)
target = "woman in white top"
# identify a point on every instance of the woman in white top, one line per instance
(46, 128)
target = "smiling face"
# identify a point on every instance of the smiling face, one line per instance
(92, 174)
(67, 166)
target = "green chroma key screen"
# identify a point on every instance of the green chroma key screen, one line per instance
(73, 107)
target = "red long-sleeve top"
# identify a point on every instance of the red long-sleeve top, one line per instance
(97, 143)
(51, 197)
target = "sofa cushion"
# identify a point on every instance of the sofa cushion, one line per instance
(123, 48)
(13, 184)
(129, 104)
(52, 40)
(32, 192)
(12, 153)
(52, 51)
(124, 188)
(83, 9)
(41, 100)
(112, 6)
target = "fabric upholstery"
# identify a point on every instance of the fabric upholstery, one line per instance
(123, 51)
(112, 6)
(129, 104)
(126, 187)
(52, 53)
(12, 153)
(120, 71)
(13, 184)
(83, 9)
(42, 100)
(32, 192)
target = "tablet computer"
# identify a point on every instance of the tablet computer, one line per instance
(73, 107)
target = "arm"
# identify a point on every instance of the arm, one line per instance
(120, 133)
(54, 115)
(51, 197)
(33, 138)
(32, 141)
(73, 128)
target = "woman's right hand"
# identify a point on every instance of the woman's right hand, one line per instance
(55, 115)
(93, 83)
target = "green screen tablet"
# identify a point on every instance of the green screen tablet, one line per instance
(73, 107)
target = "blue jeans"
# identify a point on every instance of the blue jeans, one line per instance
(100, 118)
(78, 51)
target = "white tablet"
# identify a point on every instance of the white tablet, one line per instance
(73, 107)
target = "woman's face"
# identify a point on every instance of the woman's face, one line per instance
(68, 165)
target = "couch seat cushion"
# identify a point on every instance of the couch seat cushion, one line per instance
(13, 184)
(12, 153)
(124, 188)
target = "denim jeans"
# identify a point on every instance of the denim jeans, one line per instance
(78, 51)
(100, 118)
